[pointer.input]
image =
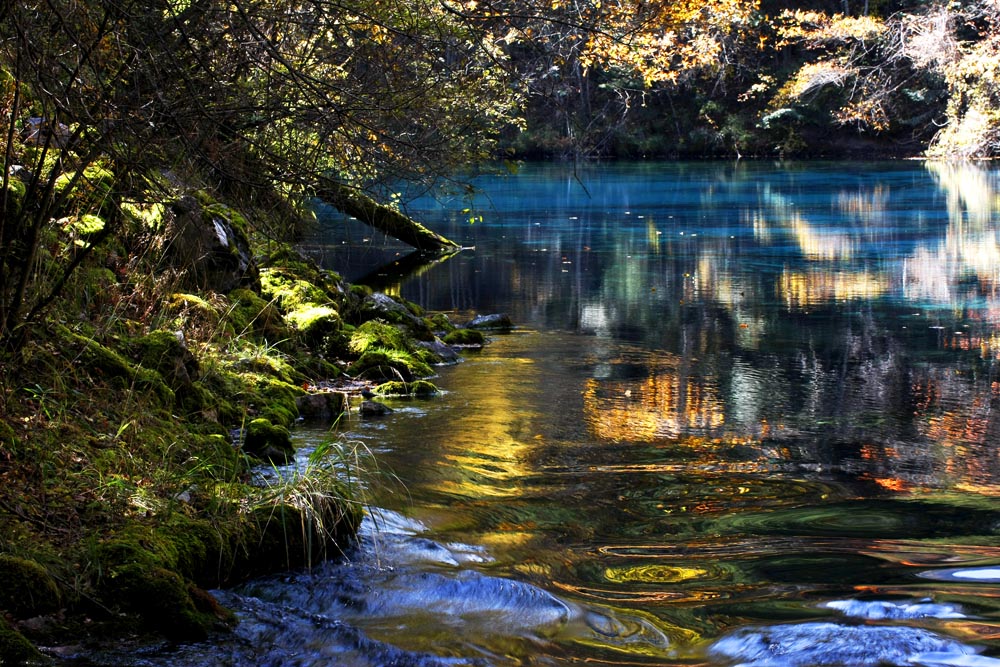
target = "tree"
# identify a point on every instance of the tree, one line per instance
(268, 102)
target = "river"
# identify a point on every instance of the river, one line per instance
(745, 418)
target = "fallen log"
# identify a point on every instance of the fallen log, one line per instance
(387, 220)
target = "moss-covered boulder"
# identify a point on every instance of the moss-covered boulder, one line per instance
(304, 531)
(16, 650)
(465, 338)
(418, 388)
(106, 362)
(26, 589)
(380, 365)
(163, 601)
(500, 322)
(251, 314)
(166, 353)
(207, 244)
(268, 442)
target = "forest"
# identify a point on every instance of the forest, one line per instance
(159, 333)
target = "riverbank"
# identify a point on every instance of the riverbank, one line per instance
(133, 416)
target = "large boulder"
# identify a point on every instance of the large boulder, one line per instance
(208, 246)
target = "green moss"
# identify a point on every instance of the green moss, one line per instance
(465, 337)
(9, 441)
(315, 322)
(16, 650)
(297, 534)
(439, 322)
(87, 225)
(235, 218)
(251, 314)
(165, 353)
(419, 388)
(289, 292)
(274, 393)
(269, 442)
(16, 191)
(197, 317)
(150, 216)
(376, 334)
(104, 361)
(380, 364)
(162, 600)
(89, 191)
(26, 589)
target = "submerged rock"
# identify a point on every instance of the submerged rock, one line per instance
(374, 409)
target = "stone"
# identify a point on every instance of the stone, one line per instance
(465, 338)
(321, 406)
(496, 321)
(445, 352)
(374, 409)
(268, 442)
(208, 246)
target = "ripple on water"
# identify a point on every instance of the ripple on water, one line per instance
(877, 610)
(983, 575)
(822, 643)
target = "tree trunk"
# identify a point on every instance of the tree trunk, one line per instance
(383, 218)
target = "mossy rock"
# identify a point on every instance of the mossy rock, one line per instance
(268, 442)
(16, 650)
(418, 388)
(439, 322)
(16, 191)
(196, 315)
(165, 353)
(107, 362)
(204, 552)
(163, 601)
(465, 338)
(315, 322)
(380, 365)
(291, 293)
(86, 226)
(250, 313)
(291, 536)
(278, 397)
(377, 334)
(90, 190)
(26, 589)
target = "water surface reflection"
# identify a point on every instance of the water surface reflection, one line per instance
(749, 417)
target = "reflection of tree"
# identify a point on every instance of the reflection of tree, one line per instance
(816, 324)
(965, 264)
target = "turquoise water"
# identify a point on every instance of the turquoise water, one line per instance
(747, 417)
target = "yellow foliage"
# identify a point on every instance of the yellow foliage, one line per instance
(818, 28)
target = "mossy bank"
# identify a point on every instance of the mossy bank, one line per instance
(178, 358)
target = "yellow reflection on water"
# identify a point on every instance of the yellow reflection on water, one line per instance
(655, 574)
(808, 289)
(665, 403)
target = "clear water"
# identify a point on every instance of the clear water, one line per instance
(747, 417)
